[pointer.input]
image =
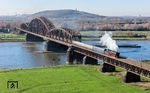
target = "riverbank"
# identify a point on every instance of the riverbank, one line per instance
(117, 35)
(146, 61)
(66, 79)
(98, 38)
(10, 37)
(86, 36)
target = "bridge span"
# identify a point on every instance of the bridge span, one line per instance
(40, 29)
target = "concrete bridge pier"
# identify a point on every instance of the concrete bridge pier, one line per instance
(70, 56)
(107, 68)
(131, 77)
(78, 58)
(89, 60)
(33, 38)
(52, 46)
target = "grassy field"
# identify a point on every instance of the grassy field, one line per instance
(147, 61)
(115, 38)
(118, 35)
(11, 37)
(65, 79)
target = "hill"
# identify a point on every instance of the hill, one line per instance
(68, 18)
(80, 20)
(69, 14)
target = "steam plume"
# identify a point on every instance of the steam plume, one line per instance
(106, 40)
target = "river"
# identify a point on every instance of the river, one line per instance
(28, 55)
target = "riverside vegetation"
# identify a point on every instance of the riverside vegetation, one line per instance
(11, 37)
(117, 35)
(88, 35)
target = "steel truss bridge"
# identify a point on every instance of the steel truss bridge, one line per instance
(43, 28)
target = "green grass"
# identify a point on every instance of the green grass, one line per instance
(118, 35)
(147, 62)
(65, 79)
(115, 38)
(10, 36)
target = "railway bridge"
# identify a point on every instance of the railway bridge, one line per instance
(63, 39)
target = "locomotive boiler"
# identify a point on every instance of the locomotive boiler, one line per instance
(97, 49)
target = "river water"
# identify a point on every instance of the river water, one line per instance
(28, 55)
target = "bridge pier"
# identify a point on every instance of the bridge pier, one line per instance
(33, 38)
(70, 56)
(73, 57)
(107, 68)
(52, 46)
(131, 77)
(89, 60)
(78, 58)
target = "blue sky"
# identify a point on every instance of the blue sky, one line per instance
(101, 7)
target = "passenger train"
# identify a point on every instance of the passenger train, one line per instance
(97, 49)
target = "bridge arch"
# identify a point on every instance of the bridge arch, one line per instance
(60, 34)
(75, 34)
(24, 26)
(40, 25)
(48, 23)
(44, 27)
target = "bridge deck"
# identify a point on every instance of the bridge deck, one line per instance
(130, 65)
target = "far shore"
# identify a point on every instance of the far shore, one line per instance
(97, 39)
(86, 36)
(10, 37)
(117, 35)
(12, 40)
(83, 39)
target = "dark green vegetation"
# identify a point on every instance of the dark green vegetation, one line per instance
(65, 79)
(118, 35)
(11, 37)
(88, 35)
(147, 61)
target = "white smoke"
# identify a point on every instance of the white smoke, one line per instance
(106, 40)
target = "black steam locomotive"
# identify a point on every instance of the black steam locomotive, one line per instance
(111, 53)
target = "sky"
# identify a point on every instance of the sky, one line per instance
(101, 7)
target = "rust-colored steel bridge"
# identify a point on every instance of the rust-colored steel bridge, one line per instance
(41, 28)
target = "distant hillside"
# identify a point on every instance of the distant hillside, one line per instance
(69, 14)
(61, 18)
(80, 20)
(68, 18)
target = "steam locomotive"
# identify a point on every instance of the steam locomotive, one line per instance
(111, 53)
(97, 49)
